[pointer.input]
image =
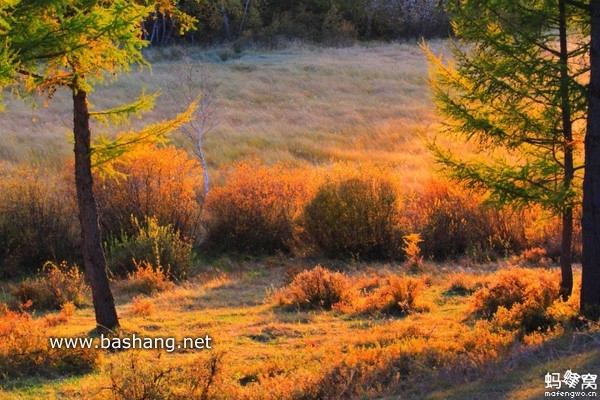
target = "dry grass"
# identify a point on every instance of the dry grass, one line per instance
(264, 352)
(301, 104)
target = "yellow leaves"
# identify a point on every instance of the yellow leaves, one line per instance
(120, 115)
(105, 150)
(77, 46)
(163, 182)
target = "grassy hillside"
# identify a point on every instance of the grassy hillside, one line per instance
(302, 104)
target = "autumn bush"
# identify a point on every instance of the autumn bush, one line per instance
(317, 288)
(151, 181)
(37, 222)
(388, 296)
(255, 211)
(322, 289)
(141, 306)
(151, 243)
(463, 284)
(453, 221)
(67, 311)
(356, 214)
(145, 279)
(53, 287)
(25, 350)
(519, 298)
(133, 377)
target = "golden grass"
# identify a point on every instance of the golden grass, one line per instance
(274, 354)
(301, 104)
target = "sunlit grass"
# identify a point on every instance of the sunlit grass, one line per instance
(269, 353)
(302, 105)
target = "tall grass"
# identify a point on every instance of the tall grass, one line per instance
(300, 104)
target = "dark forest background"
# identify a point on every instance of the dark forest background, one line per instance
(333, 22)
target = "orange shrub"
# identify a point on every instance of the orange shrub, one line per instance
(519, 298)
(318, 288)
(141, 306)
(255, 211)
(146, 279)
(66, 312)
(56, 285)
(391, 295)
(133, 377)
(25, 350)
(454, 222)
(356, 214)
(151, 181)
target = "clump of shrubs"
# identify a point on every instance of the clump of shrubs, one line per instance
(152, 243)
(145, 279)
(67, 311)
(356, 214)
(349, 212)
(520, 299)
(133, 377)
(463, 284)
(25, 350)
(318, 288)
(535, 256)
(55, 286)
(453, 222)
(141, 306)
(322, 289)
(256, 211)
(151, 181)
(391, 295)
(37, 221)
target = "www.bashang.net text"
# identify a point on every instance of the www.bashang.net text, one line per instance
(169, 344)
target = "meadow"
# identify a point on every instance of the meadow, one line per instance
(430, 321)
(300, 104)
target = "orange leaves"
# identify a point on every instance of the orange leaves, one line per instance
(257, 208)
(160, 182)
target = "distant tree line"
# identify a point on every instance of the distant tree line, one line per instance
(327, 21)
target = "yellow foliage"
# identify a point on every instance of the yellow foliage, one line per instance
(146, 279)
(141, 306)
(256, 209)
(152, 181)
(25, 349)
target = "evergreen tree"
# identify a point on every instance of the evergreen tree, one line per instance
(515, 90)
(77, 44)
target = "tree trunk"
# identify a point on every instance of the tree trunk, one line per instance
(226, 22)
(566, 284)
(93, 255)
(244, 18)
(590, 224)
(566, 256)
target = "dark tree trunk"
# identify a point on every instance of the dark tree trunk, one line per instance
(226, 22)
(590, 224)
(566, 283)
(93, 255)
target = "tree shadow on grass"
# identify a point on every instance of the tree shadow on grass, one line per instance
(523, 375)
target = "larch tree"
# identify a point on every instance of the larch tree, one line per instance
(76, 45)
(590, 279)
(515, 89)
